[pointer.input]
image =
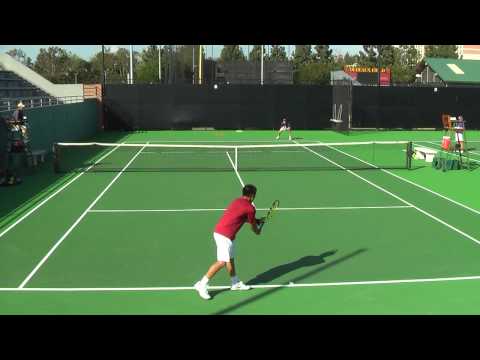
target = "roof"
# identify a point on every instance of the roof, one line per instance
(342, 75)
(455, 70)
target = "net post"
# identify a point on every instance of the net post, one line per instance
(409, 154)
(236, 158)
(56, 163)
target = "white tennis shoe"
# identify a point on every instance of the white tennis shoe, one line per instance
(202, 291)
(240, 286)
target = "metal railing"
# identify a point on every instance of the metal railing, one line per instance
(10, 104)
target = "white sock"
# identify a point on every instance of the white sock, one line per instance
(235, 280)
(204, 281)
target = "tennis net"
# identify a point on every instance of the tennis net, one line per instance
(80, 157)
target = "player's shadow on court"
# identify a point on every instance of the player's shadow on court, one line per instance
(283, 269)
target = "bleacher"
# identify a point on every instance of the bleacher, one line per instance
(13, 88)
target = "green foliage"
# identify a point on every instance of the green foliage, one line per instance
(314, 73)
(406, 58)
(302, 56)
(277, 53)
(323, 54)
(147, 70)
(386, 55)
(80, 71)
(256, 53)
(117, 64)
(442, 51)
(19, 55)
(232, 53)
(52, 64)
(368, 57)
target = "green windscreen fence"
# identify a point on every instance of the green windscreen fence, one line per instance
(49, 125)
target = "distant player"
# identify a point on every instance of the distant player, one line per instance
(459, 129)
(284, 126)
(238, 212)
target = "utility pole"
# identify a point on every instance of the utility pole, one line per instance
(261, 66)
(159, 64)
(200, 69)
(103, 70)
(131, 64)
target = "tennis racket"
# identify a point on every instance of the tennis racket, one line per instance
(270, 212)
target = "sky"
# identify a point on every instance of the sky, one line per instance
(87, 51)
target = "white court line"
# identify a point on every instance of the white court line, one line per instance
(438, 147)
(265, 209)
(238, 175)
(291, 285)
(392, 194)
(217, 141)
(52, 195)
(415, 184)
(27, 279)
(234, 168)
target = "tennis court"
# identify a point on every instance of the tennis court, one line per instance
(350, 237)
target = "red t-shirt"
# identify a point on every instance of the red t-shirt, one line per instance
(238, 212)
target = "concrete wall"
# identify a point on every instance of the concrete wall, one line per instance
(69, 90)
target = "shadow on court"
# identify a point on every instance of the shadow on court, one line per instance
(295, 280)
(283, 269)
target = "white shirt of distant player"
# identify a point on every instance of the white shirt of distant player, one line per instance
(459, 127)
(284, 125)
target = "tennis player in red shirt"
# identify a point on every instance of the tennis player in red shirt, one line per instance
(238, 212)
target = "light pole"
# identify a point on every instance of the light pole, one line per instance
(159, 64)
(378, 65)
(261, 66)
(131, 64)
(200, 69)
(103, 69)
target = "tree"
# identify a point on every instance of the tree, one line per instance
(386, 55)
(185, 59)
(314, 73)
(147, 70)
(404, 68)
(341, 61)
(79, 71)
(117, 65)
(277, 53)
(303, 55)
(368, 57)
(19, 55)
(232, 53)
(377, 55)
(442, 51)
(52, 64)
(256, 53)
(323, 54)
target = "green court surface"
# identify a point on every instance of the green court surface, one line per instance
(344, 241)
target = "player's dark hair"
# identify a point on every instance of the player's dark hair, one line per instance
(249, 190)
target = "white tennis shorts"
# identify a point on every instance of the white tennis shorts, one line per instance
(283, 128)
(225, 247)
(459, 136)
